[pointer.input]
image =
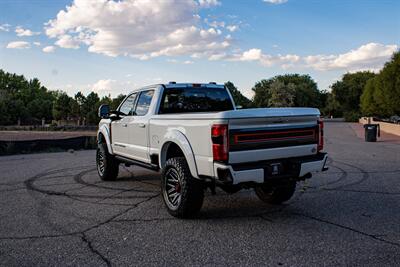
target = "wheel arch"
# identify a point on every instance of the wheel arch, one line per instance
(173, 141)
(103, 135)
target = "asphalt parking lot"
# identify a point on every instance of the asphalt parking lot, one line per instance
(54, 210)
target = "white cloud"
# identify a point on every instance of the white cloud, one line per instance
(25, 32)
(172, 60)
(123, 28)
(49, 49)
(5, 27)
(232, 28)
(370, 56)
(67, 41)
(257, 55)
(215, 24)
(251, 55)
(113, 87)
(104, 85)
(175, 61)
(275, 2)
(37, 43)
(220, 56)
(115, 28)
(209, 3)
(248, 93)
(18, 45)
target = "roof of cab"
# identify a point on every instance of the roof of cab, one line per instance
(185, 85)
(179, 85)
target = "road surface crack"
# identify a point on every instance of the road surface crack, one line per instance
(376, 237)
(86, 240)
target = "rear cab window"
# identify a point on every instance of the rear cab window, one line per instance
(195, 99)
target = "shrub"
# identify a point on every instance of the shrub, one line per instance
(351, 116)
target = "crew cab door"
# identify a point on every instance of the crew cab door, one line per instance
(139, 127)
(120, 135)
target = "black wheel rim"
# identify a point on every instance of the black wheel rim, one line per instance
(100, 162)
(172, 188)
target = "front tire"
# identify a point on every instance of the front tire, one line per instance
(275, 194)
(182, 193)
(107, 165)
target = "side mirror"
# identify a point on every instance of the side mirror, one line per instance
(239, 107)
(104, 111)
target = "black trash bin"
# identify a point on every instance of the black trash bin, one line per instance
(371, 131)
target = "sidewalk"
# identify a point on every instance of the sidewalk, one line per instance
(385, 137)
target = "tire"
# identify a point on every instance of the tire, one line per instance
(107, 165)
(275, 194)
(182, 194)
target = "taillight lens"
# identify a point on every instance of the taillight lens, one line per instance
(219, 137)
(320, 135)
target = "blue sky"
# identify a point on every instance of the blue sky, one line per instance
(113, 47)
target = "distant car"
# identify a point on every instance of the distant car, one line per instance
(395, 119)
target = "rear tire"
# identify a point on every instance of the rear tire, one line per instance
(275, 194)
(182, 193)
(107, 165)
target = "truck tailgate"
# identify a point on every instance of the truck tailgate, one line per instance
(257, 139)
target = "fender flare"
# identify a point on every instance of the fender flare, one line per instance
(177, 137)
(105, 131)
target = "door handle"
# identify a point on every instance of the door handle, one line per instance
(142, 125)
(124, 125)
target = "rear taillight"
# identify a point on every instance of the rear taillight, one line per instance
(320, 135)
(219, 137)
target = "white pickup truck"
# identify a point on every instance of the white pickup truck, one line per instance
(196, 136)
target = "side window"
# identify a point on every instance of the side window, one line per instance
(128, 105)
(143, 103)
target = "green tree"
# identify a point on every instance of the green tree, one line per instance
(305, 90)
(106, 100)
(348, 90)
(238, 97)
(262, 92)
(91, 107)
(77, 106)
(382, 94)
(281, 95)
(27, 101)
(331, 107)
(387, 94)
(368, 104)
(61, 108)
(116, 101)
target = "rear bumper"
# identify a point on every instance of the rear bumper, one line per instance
(264, 171)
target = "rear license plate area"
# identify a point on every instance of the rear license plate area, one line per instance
(274, 169)
(281, 169)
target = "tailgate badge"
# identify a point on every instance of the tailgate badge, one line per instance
(280, 120)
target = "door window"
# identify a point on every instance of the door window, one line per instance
(143, 103)
(128, 106)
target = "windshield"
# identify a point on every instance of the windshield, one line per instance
(190, 99)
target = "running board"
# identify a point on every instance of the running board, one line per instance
(149, 166)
